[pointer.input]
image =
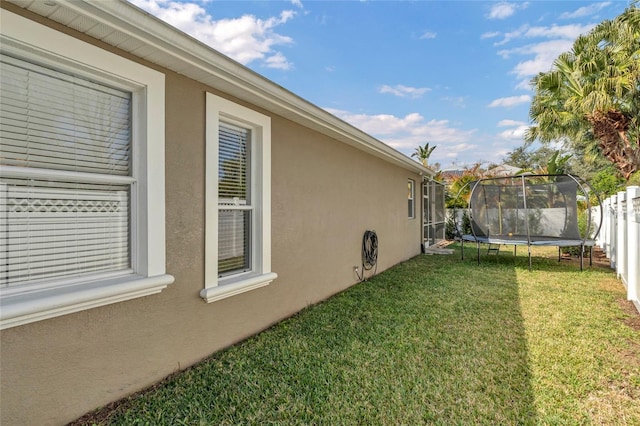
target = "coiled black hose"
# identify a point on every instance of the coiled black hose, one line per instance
(369, 250)
(369, 253)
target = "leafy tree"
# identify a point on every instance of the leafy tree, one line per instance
(606, 182)
(557, 164)
(587, 160)
(592, 94)
(529, 159)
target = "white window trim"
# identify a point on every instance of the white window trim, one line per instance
(25, 304)
(413, 198)
(216, 288)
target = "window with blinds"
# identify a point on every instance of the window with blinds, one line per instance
(411, 196)
(234, 199)
(237, 199)
(67, 182)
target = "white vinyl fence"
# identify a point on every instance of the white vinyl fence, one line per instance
(619, 238)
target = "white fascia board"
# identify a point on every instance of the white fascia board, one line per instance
(198, 61)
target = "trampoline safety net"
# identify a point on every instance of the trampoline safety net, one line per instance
(533, 208)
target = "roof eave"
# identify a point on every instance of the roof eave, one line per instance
(131, 29)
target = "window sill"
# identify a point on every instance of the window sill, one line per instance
(30, 306)
(213, 294)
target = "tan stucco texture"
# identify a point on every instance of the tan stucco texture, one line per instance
(325, 194)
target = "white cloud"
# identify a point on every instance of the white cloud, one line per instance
(509, 101)
(540, 63)
(455, 150)
(404, 91)
(406, 133)
(517, 33)
(505, 9)
(279, 61)
(245, 39)
(567, 32)
(501, 153)
(524, 84)
(570, 32)
(539, 57)
(585, 11)
(502, 10)
(544, 54)
(541, 54)
(490, 34)
(516, 133)
(428, 35)
(456, 101)
(297, 3)
(510, 123)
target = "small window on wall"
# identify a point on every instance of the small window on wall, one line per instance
(411, 196)
(238, 200)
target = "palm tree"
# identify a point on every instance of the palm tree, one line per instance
(423, 153)
(556, 165)
(459, 189)
(592, 95)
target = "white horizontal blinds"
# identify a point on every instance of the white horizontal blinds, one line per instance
(53, 120)
(233, 162)
(62, 227)
(234, 229)
(234, 203)
(50, 231)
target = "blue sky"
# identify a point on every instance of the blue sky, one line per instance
(451, 73)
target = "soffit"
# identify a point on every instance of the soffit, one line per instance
(133, 30)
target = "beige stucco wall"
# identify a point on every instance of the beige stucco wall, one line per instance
(325, 194)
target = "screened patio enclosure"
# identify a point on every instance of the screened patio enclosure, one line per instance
(433, 212)
(531, 210)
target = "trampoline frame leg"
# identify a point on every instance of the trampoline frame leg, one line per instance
(515, 248)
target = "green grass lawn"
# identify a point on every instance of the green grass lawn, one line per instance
(434, 340)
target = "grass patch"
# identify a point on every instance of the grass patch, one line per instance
(434, 340)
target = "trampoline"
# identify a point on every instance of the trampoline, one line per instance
(530, 210)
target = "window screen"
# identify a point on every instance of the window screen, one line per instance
(234, 200)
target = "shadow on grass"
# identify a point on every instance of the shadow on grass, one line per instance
(432, 340)
(542, 257)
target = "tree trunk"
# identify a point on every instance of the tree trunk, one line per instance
(610, 129)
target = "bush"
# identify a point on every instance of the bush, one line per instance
(605, 183)
(451, 230)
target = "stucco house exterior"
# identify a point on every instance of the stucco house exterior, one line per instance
(160, 202)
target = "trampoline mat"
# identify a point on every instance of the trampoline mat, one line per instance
(521, 240)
